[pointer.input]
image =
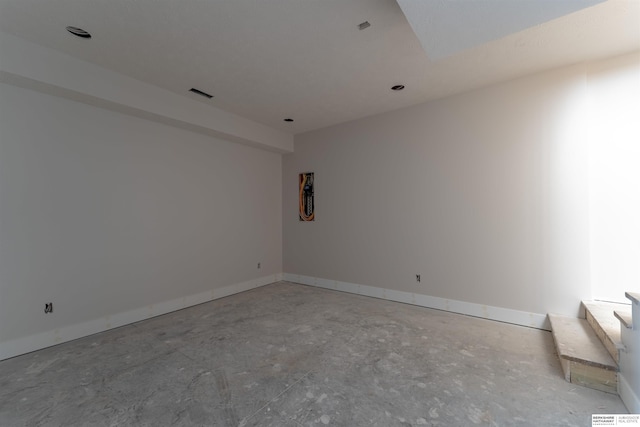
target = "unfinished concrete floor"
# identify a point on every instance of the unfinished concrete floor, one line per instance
(292, 355)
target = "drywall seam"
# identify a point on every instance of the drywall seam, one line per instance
(42, 340)
(628, 396)
(522, 318)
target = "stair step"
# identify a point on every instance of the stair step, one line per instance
(584, 359)
(633, 296)
(579, 343)
(625, 318)
(600, 316)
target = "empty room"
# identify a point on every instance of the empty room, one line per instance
(319, 212)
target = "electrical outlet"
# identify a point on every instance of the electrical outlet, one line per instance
(48, 307)
(258, 265)
(417, 278)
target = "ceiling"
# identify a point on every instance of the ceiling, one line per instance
(268, 60)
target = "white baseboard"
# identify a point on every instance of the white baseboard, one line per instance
(45, 339)
(523, 318)
(628, 396)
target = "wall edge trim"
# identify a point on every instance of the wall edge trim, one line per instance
(23, 345)
(500, 314)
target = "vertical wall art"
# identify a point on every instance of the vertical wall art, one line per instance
(306, 207)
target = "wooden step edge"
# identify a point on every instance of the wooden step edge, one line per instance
(599, 356)
(625, 318)
(606, 366)
(594, 378)
(633, 296)
(600, 316)
(605, 337)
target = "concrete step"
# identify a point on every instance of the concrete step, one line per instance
(584, 359)
(600, 316)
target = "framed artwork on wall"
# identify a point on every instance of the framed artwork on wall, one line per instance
(306, 209)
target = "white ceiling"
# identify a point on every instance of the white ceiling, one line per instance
(445, 27)
(307, 59)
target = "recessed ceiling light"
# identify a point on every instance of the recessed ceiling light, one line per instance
(364, 25)
(288, 120)
(397, 87)
(79, 32)
(201, 93)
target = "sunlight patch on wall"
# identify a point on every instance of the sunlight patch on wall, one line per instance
(614, 181)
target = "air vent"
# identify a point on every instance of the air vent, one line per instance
(288, 119)
(201, 93)
(79, 32)
(364, 25)
(397, 87)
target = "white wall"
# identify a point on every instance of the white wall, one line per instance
(614, 169)
(32, 66)
(484, 194)
(114, 218)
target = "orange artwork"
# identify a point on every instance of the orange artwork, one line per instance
(306, 208)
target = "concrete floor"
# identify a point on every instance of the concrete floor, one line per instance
(292, 355)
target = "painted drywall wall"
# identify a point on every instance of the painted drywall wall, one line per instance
(484, 194)
(103, 213)
(32, 66)
(614, 173)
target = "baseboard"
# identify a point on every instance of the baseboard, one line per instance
(628, 396)
(523, 318)
(42, 340)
